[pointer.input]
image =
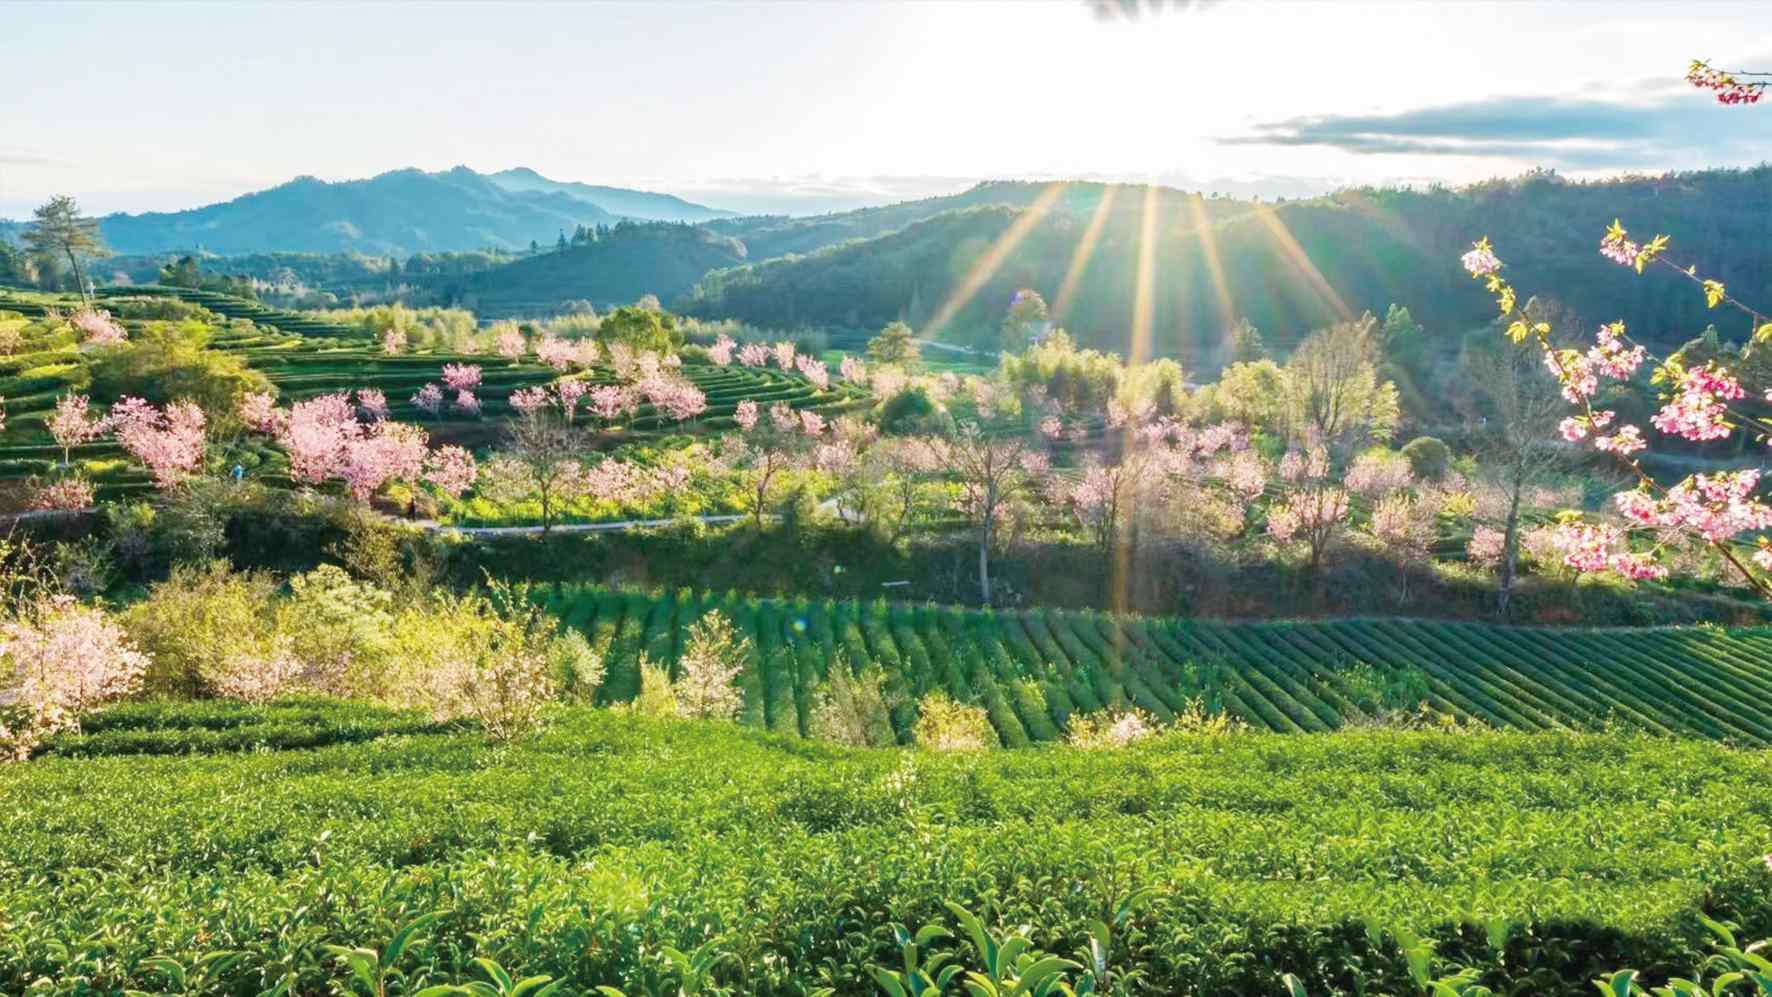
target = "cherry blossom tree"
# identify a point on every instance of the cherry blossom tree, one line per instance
(60, 659)
(451, 470)
(1699, 403)
(64, 494)
(720, 354)
(461, 376)
(854, 371)
(169, 441)
(429, 399)
(373, 402)
(1732, 86)
(73, 424)
(993, 474)
(814, 371)
(393, 341)
(510, 343)
(542, 461)
(97, 328)
(753, 355)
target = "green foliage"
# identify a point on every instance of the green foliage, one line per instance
(167, 361)
(1429, 459)
(1194, 865)
(640, 328)
(895, 346)
(945, 725)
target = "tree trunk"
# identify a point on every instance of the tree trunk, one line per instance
(1510, 545)
(79, 277)
(984, 562)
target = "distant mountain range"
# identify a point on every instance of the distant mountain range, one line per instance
(396, 213)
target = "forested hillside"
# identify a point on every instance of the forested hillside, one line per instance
(1288, 268)
(626, 262)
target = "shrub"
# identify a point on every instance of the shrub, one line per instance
(1428, 457)
(576, 667)
(60, 659)
(944, 725)
(714, 653)
(656, 698)
(200, 625)
(1097, 731)
(852, 709)
(485, 657)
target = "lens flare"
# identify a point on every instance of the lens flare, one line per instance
(986, 267)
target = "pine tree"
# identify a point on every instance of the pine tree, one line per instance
(58, 230)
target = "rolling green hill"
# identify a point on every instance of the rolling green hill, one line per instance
(1289, 268)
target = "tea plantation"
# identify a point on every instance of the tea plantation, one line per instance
(1033, 669)
(666, 857)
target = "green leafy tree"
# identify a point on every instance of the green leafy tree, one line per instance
(1026, 321)
(895, 345)
(59, 231)
(642, 328)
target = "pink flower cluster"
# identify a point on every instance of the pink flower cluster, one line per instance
(429, 399)
(393, 341)
(613, 401)
(324, 439)
(1591, 547)
(1697, 410)
(784, 355)
(1728, 89)
(1481, 260)
(745, 414)
(1372, 475)
(1619, 249)
(63, 494)
(510, 343)
(753, 355)
(1717, 507)
(98, 328)
(461, 376)
(673, 396)
(853, 370)
(815, 371)
(169, 441)
(720, 354)
(1487, 545)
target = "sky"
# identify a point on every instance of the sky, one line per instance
(804, 106)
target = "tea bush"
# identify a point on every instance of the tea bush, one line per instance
(777, 866)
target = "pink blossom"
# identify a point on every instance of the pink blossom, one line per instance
(461, 376)
(1637, 567)
(1619, 249)
(169, 441)
(1609, 355)
(510, 343)
(1244, 474)
(63, 494)
(745, 414)
(393, 341)
(555, 352)
(259, 411)
(1697, 410)
(1573, 428)
(1628, 440)
(1487, 545)
(784, 355)
(98, 328)
(388, 451)
(569, 392)
(1481, 260)
(1586, 547)
(673, 396)
(853, 370)
(529, 400)
(1282, 523)
(720, 354)
(1035, 463)
(429, 399)
(611, 401)
(466, 402)
(753, 355)
(316, 434)
(72, 425)
(373, 402)
(815, 371)
(1051, 428)
(451, 469)
(1574, 373)
(782, 416)
(1373, 475)
(66, 659)
(888, 382)
(811, 422)
(671, 478)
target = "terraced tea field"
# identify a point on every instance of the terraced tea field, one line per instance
(304, 357)
(1032, 669)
